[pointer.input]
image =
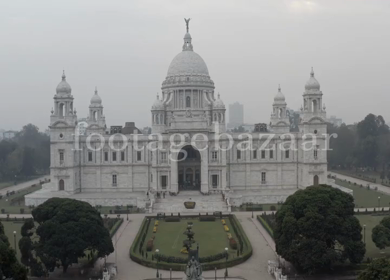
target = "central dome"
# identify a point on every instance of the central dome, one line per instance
(187, 63)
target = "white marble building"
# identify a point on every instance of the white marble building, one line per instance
(189, 118)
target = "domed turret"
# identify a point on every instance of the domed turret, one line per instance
(63, 87)
(96, 100)
(279, 97)
(312, 83)
(218, 104)
(158, 104)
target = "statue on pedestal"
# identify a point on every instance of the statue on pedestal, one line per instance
(194, 270)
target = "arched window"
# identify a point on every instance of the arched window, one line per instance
(314, 105)
(188, 102)
(94, 116)
(61, 111)
(157, 119)
(215, 117)
(61, 185)
(280, 113)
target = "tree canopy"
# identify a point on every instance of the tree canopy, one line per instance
(381, 233)
(66, 228)
(9, 265)
(26, 155)
(316, 228)
(365, 144)
(378, 269)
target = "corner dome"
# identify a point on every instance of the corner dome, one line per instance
(279, 96)
(187, 63)
(96, 100)
(312, 83)
(218, 104)
(63, 86)
(158, 104)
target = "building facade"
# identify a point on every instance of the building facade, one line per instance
(188, 150)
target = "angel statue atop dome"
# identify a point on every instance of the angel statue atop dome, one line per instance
(187, 23)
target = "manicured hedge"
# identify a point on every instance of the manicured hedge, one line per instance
(115, 227)
(172, 219)
(207, 219)
(266, 226)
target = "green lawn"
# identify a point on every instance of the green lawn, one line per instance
(211, 237)
(366, 198)
(4, 185)
(371, 250)
(9, 228)
(13, 207)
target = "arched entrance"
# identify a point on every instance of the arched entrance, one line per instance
(61, 185)
(315, 180)
(189, 169)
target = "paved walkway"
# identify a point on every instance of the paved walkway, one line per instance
(381, 188)
(23, 185)
(253, 268)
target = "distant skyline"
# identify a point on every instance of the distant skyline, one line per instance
(125, 48)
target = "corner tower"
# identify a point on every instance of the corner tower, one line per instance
(314, 127)
(63, 121)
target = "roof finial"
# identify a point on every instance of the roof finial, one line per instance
(96, 92)
(187, 23)
(158, 97)
(312, 72)
(218, 95)
(279, 88)
(63, 75)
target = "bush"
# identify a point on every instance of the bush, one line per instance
(149, 245)
(233, 243)
(206, 218)
(172, 219)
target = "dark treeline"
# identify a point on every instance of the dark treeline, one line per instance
(26, 155)
(362, 145)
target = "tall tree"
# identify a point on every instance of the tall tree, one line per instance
(381, 233)
(316, 228)
(66, 229)
(9, 265)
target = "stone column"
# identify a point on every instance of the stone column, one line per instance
(174, 173)
(204, 170)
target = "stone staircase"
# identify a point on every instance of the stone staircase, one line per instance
(204, 203)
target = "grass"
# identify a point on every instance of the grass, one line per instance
(371, 250)
(211, 237)
(4, 185)
(14, 207)
(365, 198)
(9, 228)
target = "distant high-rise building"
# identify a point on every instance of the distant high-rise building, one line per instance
(236, 115)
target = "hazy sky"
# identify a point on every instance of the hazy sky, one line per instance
(125, 48)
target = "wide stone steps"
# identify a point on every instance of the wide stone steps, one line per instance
(203, 203)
